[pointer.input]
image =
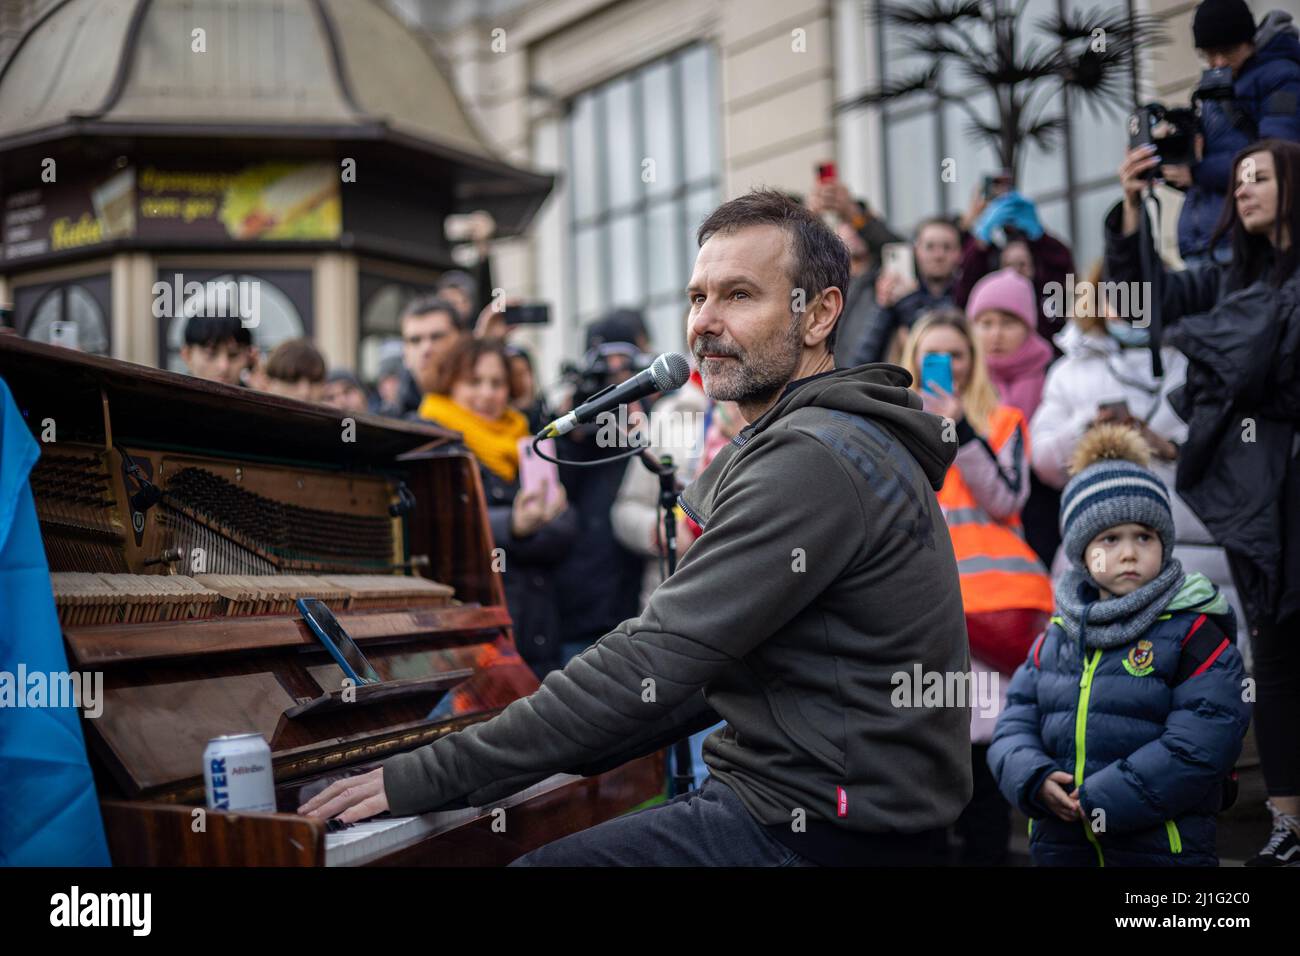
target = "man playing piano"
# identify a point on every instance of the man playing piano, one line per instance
(824, 578)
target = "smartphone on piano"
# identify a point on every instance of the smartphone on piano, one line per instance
(337, 641)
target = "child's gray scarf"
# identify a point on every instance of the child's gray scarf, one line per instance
(1119, 620)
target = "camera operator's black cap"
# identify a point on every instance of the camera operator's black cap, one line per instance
(620, 325)
(1220, 23)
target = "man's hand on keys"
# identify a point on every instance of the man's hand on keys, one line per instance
(350, 799)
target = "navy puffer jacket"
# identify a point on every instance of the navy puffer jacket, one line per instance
(1149, 758)
(1267, 94)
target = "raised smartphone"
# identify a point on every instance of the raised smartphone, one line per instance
(936, 369)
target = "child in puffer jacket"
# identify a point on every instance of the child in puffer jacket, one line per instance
(1124, 722)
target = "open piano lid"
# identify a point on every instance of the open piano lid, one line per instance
(148, 404)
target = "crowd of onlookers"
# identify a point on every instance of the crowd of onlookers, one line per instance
(1029, 377)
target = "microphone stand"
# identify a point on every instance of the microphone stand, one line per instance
(683, 781)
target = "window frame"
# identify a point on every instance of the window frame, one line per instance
(676, 198)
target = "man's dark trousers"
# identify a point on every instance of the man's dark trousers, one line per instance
(706, 827)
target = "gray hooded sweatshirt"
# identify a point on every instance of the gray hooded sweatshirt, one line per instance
(824, 572)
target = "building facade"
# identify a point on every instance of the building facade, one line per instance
(713, 99)
(649, 113)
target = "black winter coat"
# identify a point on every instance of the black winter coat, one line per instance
(1239, 469)
(599, 580)
(530, 565)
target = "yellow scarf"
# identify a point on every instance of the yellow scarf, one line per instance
(494, 443)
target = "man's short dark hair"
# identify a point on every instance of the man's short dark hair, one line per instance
(210, 330)
(619, 325)
(428, 304)
(821, 260)
(936, 221)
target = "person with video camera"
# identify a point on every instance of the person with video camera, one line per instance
(1251, 91)
(599, 582)
(1239, 469)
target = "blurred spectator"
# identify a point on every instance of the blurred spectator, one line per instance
(459, 288)
(471, 396)
(1265, 104)
(217, 348)
(388, 379)
(1238, 470)
(860, 304)
(344, 391)
(295, 369)
(1005, 232)
(1003, 310)
(636, 517)
(833, 196)
(1016, 256)
(600, 579)
(864, 234)
(1105, 376)
(431, 330)
(524, 395)
(937, 252)
(620, 325)
(1005, 591)
(725, 423)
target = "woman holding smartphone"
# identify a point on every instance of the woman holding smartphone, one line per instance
(533, 527)
(1005, 590)
(1239, 470)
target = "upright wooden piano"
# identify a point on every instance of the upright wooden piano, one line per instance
(181, 519)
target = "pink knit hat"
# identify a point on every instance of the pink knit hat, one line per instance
(1008, 291)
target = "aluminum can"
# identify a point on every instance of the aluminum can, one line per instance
(237, 774)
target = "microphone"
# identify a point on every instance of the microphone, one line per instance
(667, 373)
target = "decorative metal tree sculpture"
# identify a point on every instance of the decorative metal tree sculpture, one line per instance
(1089, 54)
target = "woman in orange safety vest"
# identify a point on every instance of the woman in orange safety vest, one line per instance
(1005, 590)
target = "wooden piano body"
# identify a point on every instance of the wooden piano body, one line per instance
(181, 518)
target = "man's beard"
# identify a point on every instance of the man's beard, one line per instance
(754, 377)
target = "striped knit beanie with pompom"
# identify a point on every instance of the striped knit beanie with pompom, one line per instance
(1112, 485)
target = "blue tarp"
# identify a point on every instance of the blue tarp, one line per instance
(49, 812)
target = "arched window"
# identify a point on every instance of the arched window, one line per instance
(232, 293)
(70, 313)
